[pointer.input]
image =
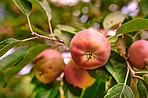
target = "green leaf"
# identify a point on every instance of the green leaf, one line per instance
(33, 52)
(7, 44)
(134, 82)
(100, 74)
(116, 65)
(113, 39)
(63, 35)
(133, 25)
(113, 19)
(75, 91)
(37, 4)
(116, 91)
(24, 5)
(145, 77)
(42, 93)
(67, 28)
(54, 92)
(2, 78)
(127, 18)
(97, 90)
(12, 59)
(46, 7)
(142, 89)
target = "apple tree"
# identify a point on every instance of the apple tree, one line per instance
(101, 63)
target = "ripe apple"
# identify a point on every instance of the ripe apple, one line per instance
(48, 65)
(138, 54)
(90, 49)
(77, 76)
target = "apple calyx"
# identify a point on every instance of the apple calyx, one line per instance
(89, 55)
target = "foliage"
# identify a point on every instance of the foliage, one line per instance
(53, 26)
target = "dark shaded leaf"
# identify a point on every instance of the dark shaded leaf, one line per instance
(133, 85)
(124, 42)
(97, 90)
(42, 93)
(70, 88)
(145, 77)
(142, 89)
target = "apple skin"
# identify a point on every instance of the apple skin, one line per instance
(138, 54)
(48, 65)
(77, 76)
(90, 49)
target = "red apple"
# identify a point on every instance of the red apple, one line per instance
(77, 76)
(138, 54)
(48, 65)
(90, 49)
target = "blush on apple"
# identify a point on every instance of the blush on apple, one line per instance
(48, 65)
(90, 49)
(77, 76)
(138, 54)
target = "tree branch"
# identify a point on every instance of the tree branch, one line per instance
(41, 36)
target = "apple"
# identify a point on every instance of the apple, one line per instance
(138, 54)
(48, 65)
(90, 49)
(77, 76)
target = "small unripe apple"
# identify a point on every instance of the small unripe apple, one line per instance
(90, 49)
(48, 65)
(138, 54)
(77, 76)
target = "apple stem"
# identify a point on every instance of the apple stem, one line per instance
(141, 72)
(41, 36)
(61, 87)
(83, 90)
(138, 77)
(128, 65)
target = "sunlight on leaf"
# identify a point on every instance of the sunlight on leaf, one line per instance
(113, 19)
(133, 25)
(46, 7)
(7, 45)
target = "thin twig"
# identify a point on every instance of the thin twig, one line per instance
(141, 72)
(125, 81)
(129, 66)
(41, 36)
(30, 25)
(83, 91)
(138, 77)
(50, 27)
(114, 36)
